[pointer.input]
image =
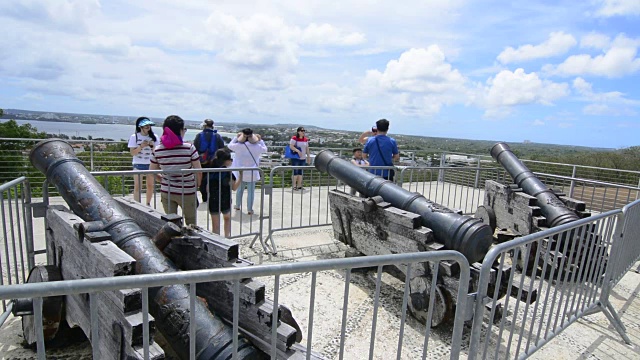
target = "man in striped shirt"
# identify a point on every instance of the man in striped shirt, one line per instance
(177, 189)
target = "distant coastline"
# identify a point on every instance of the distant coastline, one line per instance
(117, 132)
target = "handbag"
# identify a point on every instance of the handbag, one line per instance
(289, 154)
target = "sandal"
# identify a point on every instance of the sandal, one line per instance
(250, 212)
(236, 208)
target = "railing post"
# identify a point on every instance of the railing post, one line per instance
(443, 158)
(28, 227)
(475, 184)
(91, 152)
(573, 181)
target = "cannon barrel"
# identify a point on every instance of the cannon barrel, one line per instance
(550, 205)
(170, 304)
(457, 232)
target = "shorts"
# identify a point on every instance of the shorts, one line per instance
(140, 166)
(298, 162)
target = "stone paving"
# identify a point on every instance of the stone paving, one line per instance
(589, 338)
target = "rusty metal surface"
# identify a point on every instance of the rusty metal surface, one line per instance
(457, 232)
(550, 205)
(51, 307)
(170, 304)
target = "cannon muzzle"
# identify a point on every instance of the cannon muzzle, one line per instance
(170, 304)
(556, 212)
(457, 232)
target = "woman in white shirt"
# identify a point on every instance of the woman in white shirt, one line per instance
(247, 147)
(141, 145)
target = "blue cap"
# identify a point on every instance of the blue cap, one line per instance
(146, 122)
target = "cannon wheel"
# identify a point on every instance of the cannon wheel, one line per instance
(52, 306)
(419, 301)
(487, 215)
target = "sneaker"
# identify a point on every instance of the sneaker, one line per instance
(236, 208)
(250, 212)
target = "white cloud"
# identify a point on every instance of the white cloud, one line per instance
(613, 103)
(258, 42)
(595, 41)
(557, 44)
(619, 59)
(420, 81)
(582, 86)
(538, 122)
(67, 15)
(110, 45)
(326, 34)
(517, 88)
(419, 71)
(618, 7)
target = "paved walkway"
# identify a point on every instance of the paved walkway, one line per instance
(590, 338)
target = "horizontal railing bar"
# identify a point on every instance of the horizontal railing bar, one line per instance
(67, 287)
(500, 248)
(569, 178)
(6, 186)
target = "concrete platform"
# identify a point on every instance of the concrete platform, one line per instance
(589, 338)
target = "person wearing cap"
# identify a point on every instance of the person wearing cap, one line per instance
(141, 145)
(364, 137)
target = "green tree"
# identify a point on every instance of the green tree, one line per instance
(15, 152)
(12, 130)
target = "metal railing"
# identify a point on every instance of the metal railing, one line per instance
(304, 208)
(609, 175)
(242, 223)
(569, 270)
(16, 246)
(565, 269)
(626, 247)
(94, 287)
(456, 188)
(104, 155)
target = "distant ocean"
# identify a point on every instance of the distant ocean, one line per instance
(107, 131)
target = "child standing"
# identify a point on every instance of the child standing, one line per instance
(219, 186)
(141, 145)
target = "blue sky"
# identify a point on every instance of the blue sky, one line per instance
(564, 72)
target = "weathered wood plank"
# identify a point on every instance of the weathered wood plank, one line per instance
(84, 260)
(203, 250)
(395, 231)
(151, 221)
(119, 318)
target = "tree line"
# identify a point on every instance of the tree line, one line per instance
(13, 163)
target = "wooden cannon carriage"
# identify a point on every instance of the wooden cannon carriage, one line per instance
(100, 236)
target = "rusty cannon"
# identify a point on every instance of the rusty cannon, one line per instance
(528, 206)
(391, 220)
(465, 234)
(113, 238)
(554, 210)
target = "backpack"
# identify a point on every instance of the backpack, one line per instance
(207, 149)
